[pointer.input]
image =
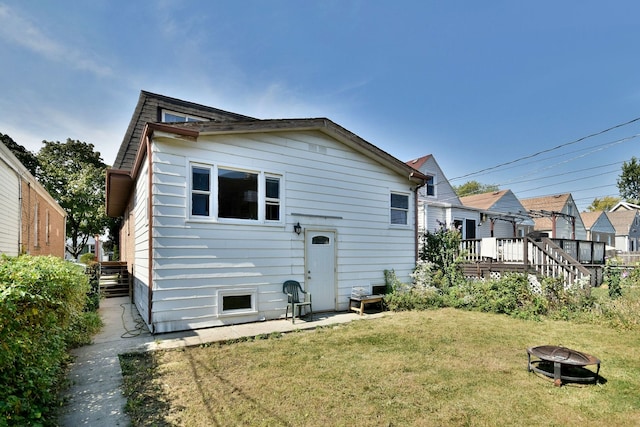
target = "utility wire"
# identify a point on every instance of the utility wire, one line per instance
(549, 149)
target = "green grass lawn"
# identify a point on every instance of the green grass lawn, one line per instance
(437, 367)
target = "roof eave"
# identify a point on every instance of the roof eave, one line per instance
(323, 125)
(118, 190)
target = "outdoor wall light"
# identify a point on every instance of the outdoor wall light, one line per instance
(297, 228)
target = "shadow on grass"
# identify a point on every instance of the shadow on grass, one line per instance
(147, 403)
(571, 375)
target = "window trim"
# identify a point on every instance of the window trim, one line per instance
(214, 190)
(392, 208)
(222, 293)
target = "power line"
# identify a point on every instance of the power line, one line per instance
(549, 149)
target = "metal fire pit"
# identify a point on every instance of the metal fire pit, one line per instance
(563, 364)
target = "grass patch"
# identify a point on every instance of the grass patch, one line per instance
(440, 367)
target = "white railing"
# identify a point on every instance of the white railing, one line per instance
(544, 256)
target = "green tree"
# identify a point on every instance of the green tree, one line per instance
(474, 187)
(629, 181)
(604, 204)
(74, 174)
(26, 157)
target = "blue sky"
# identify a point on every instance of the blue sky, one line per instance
(476, 84)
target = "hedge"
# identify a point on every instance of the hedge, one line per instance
(41, 298)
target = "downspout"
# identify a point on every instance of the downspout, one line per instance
(416, 248)
(416, 244)
(150, 228)
(20, 210)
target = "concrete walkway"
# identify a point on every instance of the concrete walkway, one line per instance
(95, 397)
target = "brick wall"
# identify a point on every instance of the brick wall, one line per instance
(43, 224)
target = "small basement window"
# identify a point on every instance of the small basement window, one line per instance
(237, 301)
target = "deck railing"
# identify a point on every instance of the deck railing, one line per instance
(544, 256)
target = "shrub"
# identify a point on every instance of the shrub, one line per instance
(405, 297)
(612, 277)
(41, 299)
(442, 250)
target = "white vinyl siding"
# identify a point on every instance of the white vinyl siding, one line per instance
(140, 228)
(10, 219)
(323, 185)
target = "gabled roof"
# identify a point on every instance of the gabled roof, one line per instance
(624, 206)
(590, 218)
(484, 200)
(417, 163)
(149, 110)
(120, 181)
(622, 220)
(548, 203)
(324, 125)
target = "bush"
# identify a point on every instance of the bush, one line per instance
(41, 304)
(613, 277)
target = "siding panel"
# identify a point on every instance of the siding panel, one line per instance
(325, 186)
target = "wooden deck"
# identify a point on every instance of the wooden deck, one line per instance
(571, 260)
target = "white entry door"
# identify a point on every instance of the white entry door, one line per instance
(320, 268)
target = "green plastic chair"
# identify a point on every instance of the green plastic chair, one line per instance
(293, 290)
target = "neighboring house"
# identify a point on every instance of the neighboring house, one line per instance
(93, 245)
(624, 206)
(627, 226)
(502, 214)
(558, 216)
(438, 204)
(32, 222)
(599, 227)
(218, 213)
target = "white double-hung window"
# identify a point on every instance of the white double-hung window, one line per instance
(226, 193)
(399, 209)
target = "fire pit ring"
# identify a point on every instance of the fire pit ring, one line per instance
(567, 364)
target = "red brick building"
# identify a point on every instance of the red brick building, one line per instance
(31, 222)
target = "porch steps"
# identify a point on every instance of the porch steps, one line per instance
(114, 279)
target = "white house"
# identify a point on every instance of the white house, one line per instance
(627, 226)
(556, 215)
(221, 209)
(502, 214)
(599, 227)
(438, 203)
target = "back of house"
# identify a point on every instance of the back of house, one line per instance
(219, 209)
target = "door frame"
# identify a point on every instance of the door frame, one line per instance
(307, 232)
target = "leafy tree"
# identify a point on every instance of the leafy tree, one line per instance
(474, 187)
(26, 157)
(74, 174)
(604, 204)
(629, 181)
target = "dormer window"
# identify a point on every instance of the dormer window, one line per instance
(175, 117)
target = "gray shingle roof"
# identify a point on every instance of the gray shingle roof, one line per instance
(149, 110)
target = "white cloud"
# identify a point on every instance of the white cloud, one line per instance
(20, 31)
